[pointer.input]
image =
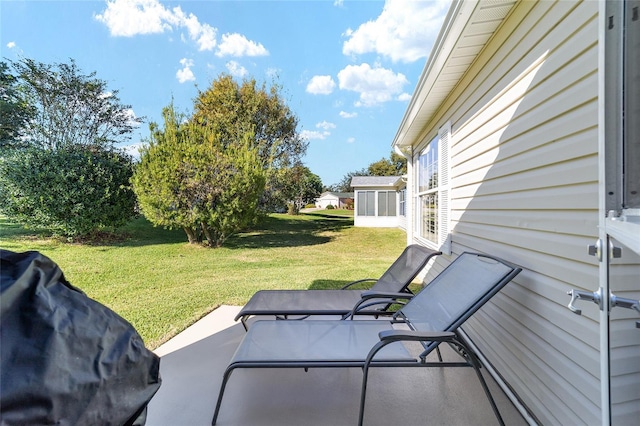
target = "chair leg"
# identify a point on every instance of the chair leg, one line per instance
(363, 394)
(439, 353)
(225, 379)
(365, 376)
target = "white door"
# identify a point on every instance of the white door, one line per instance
(620, 215)
(621, 225)
(618, 246)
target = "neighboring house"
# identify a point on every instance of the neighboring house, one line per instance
(339, 200)
(517, 136)
(379, 201)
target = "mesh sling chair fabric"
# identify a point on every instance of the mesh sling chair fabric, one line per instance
(284, 303)
(431, 317)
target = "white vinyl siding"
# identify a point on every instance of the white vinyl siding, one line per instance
(523, 186)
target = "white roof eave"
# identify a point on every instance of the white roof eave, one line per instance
(436, 82)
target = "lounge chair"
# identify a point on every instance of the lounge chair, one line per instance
(431, 317)
(285, 303)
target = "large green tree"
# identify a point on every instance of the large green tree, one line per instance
(15, 112)
(188, 178)
(301, 187)
(234, 110)
(69, 107)
(395, 165)
(62, 170)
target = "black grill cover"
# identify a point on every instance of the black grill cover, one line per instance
(65, 358)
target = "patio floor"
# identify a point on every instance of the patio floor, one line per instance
(192, 365)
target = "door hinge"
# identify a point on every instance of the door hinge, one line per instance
(596, 250)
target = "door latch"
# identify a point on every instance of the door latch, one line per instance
(623, 302)
(595, 297)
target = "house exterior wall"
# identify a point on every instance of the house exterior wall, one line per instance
(337, 200)
(524, 186)
(327, 200)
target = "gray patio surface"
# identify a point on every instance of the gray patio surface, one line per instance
(192, 365)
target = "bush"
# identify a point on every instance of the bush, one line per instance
(349, 204)
(72, 191)
(188, 179)
(330, 207)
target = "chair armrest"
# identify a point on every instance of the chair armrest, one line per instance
(385, 295)
(416, 336)
(358, 282)
(382, 298)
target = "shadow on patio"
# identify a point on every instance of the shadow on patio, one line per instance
(192, 365)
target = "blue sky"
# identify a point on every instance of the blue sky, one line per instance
(347, 68)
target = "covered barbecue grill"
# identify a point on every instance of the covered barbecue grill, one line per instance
(65, 358)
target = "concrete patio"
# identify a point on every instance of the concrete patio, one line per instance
(192, 365)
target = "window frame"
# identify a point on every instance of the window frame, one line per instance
(364, 209)
(390, 200)
(437, 191)
(371, 207)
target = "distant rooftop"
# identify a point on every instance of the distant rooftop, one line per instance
(337, 194)
(371, 181)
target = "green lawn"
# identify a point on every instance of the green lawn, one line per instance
(332, 213)
(162, 285)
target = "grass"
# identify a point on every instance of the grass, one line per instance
(338, 213)
(161, 284)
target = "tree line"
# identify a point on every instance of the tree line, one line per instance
(211, 172)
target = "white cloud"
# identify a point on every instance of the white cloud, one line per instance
(375, 85)
(185, 74)
(272, 72)
(131, 17)
(236, 70)
(321, 85)
(11, 44)
(203, 34)
(313, 134)
(134, 149)
(404, 97)
(345, 114)
(325, 125)
(131, 117)
(127, 18)
(351, 140)
(238, 45)
(318, 134)
(404, 31)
